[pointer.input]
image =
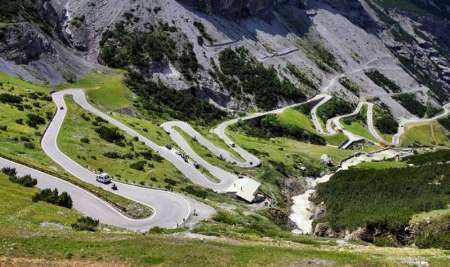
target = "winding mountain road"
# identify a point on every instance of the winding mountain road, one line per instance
(170, 209)
(371, 126)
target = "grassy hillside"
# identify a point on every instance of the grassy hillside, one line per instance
(20, 141)
(41, 233)
(428, 134)
(106, 90)
(79, 139)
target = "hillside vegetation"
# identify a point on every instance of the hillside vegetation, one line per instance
(388, 204)
(254, 78)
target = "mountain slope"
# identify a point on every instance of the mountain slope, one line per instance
(63, 39)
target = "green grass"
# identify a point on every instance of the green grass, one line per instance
(380, 165)
(23, 236)
(358, 128)
(294, 118)
(105, 90)
(147, 128)
(12, 145)
(282, 149)
(424, 216)
(336, 139)
(208, 156)
(166, 251)
(19, 213)
(429, 134)
(91, 155)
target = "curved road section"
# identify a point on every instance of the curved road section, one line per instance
(169, 209)
(404, 123)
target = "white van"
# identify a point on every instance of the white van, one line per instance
(103, 178)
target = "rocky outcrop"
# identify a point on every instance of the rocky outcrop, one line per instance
(235, 8)
(24, 43)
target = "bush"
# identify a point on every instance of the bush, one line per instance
(26, 180)
(10, 99)
(196, 191)
(85, 140)
(53, 197)
(85, 224)
(29, 145)
(148, 155)
(9, 171)
(139, 165)
(170, 181)
(34, 120)
(111, 135)
(112, 155)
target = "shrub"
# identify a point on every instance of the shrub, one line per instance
(53, 197)
(170, 181)
(196, 191)
(10, 99)
(85, 140)
(111, 135)
(112, 155)
(29, 145)
(86, 224)
(34, 120)
(26, 180)
(147, 155)
(9, 171)
(269, 126)
(139, 165)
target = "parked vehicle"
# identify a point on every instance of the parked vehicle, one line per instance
(103, 178)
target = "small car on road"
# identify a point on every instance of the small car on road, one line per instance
(103, 178)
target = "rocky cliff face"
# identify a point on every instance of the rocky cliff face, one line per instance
(62, 41)
(234, 8)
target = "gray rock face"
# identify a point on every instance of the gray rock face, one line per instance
(234, 8)
(24, 44)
